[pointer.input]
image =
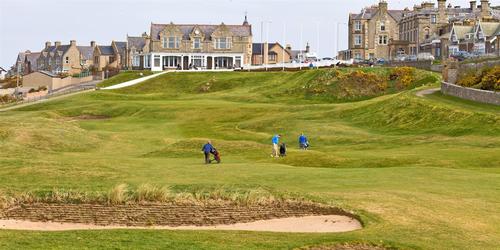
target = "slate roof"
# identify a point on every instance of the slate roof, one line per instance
(186, 29)
(369, 13)
(137, 42)
(257, 48)
(106, 50)
(121, 46)
(86, 51)
(31, 58)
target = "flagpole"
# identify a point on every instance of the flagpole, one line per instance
(301, 43)
(284, 44)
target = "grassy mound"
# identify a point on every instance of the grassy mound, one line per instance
(124, 76)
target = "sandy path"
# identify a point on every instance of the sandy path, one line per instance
(424, 92)
(309, 224)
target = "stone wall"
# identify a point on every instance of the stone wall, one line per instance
(425, 65)
(477, 95)
(163, 214)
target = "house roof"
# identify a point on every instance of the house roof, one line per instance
(136, 42)
(106, 50)
(490, 29)
(186, 29)
(257, 48)
(370, 12)
(460, 31)
(31, 58)
(86, 51)
(121, 46)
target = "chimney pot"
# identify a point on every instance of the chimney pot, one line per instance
(92, 43)
(72, 42)
(57, 43)
(47, 44)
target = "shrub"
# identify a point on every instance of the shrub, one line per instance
(404, 76)
(491, 79)
(7, 99)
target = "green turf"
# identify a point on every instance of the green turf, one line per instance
(422, 172)
(124, 77)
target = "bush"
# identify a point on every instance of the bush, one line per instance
(7, 99)
(404, 76)
(486, 79)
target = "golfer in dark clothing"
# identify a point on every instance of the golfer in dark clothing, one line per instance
(207, 148)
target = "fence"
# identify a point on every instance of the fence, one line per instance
(477, 95)
(48, 96)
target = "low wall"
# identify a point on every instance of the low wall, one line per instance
(477, 95)
(164, 214)
(425, 65)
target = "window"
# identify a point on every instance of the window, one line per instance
(357, 55)
(382, 26)
(67, 59)
(427, 34)
(147, 61)
(136, 61)
(433, 19)
(272, 56)
(382, 40)
(197, 43)
(357, 40)
(171, 42)
(157, 61)
(222, 43)
(357, 25)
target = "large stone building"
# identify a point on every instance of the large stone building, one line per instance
(371, 30)
(199, 45)
(110, 57)
(70, 58)
(137, 49)
(424, 29)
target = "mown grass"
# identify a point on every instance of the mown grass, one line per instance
(421, 172)
(124, 76)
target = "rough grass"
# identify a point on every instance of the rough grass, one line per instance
(421, 172)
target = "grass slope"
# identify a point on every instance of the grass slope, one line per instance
(124, 76)
(422, 172)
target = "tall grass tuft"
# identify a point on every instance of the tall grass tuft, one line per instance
(118, 194)
(152, 193)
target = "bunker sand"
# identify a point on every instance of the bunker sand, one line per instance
(307, 224)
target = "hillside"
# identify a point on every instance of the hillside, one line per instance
(409, 166)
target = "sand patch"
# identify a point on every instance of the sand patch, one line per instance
(306, 224)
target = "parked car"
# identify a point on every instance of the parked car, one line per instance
(461, 55)
(411, 58)
(425, 57)
(381, 61)
(400, 58)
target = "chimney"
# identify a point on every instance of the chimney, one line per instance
(92, 44)
(288, 47)
(57, 43)
(382, 5)
(47, 44)
(428, 5)
(485, 9)
(145, 35)
(417, 7)
(473, 5)
(442, 16)
(72, 43)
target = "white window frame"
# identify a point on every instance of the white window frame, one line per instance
(157, 61)
(197, 43)
(358, 40)
(357, 25)
(223, 43)
(136, 61)
(382, 26)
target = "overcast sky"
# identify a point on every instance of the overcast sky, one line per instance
(27, 24)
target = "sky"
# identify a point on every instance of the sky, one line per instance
(28, 24)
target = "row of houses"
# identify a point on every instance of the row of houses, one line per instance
(182, 46)
(379, 32)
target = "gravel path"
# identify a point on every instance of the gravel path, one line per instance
(421, 93)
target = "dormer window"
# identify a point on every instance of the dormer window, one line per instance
(197, 43)
(382, 26)
(171, 42)
(223, 43)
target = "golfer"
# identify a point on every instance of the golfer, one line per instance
(276, 141)
(303, 143)
(207, 149)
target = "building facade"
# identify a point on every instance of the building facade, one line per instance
(202, 46)
(137, 49)
(67, 59)
(270, 53)
(110, 57)
(371, 30)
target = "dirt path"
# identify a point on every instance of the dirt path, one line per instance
(308, 224)
(421, 93)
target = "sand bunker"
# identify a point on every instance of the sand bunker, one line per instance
(307, 224)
